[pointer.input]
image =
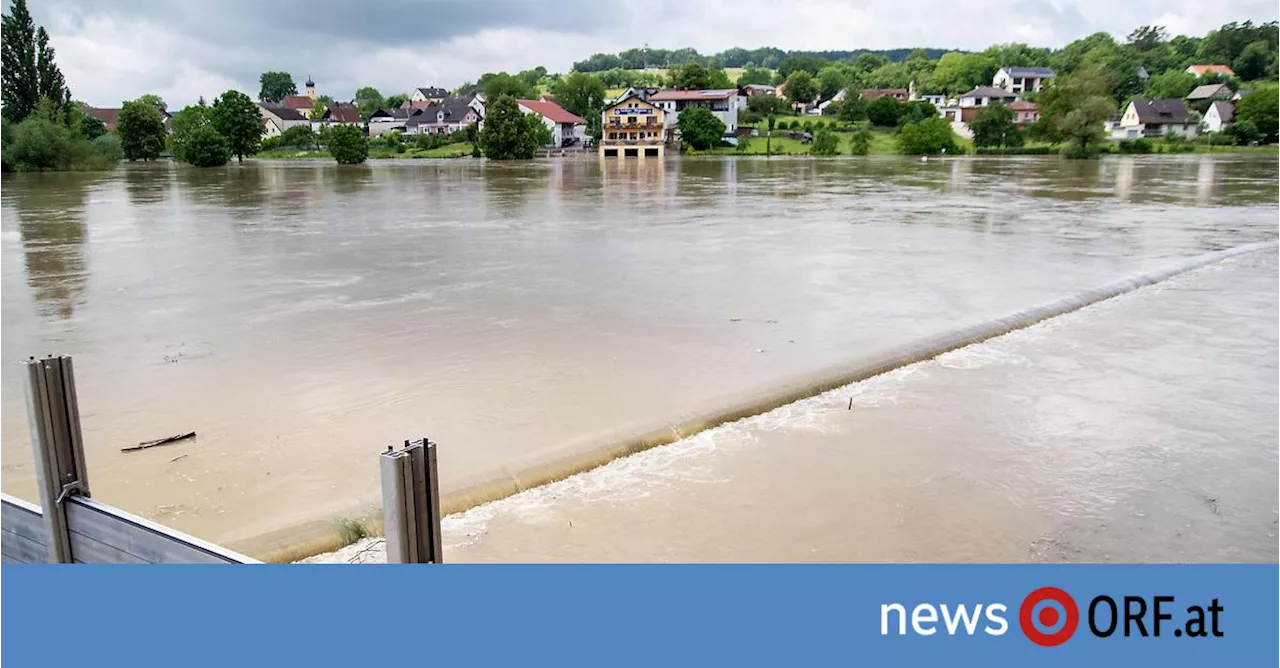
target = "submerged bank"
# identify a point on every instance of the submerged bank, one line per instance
(1137, 429)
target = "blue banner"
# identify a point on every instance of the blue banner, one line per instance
(1133, 615)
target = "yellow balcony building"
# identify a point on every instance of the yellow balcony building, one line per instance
(631, 128)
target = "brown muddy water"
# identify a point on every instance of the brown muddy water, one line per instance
(302, 317)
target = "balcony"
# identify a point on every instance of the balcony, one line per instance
(649, 122)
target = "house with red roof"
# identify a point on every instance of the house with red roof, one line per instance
(566, 129)
(1202, 70)
(1024, 112)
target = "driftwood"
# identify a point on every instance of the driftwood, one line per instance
(159, 441)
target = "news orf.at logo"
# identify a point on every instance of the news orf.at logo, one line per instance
(1048, 616)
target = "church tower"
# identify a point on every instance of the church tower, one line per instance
(311, 88)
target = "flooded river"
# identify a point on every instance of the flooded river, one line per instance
(301, 317)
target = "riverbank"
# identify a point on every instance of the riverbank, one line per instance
(376, 152)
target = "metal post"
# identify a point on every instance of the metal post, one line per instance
(411, 504)
(54, 416)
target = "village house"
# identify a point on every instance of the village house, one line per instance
(566, 129)
(632, 127)
(1219, 114)
(277, 118)
(869, 94)
(1021, 79)
(723, 104)
(986, 95)
(338, 113)
(108, 116)
(430, 95)
(1211, 92)
(753, 90)
(1156, 118)
(452, 114)
(1024, 112)
(1202, 70)
(383, 122)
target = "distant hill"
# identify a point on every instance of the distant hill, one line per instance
(768, 57)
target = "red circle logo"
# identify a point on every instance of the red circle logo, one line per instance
(1048, 616)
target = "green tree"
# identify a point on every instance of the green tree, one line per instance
(91, 128)
(204, 147)
(508, 133)
(1170, 84)
(720, 80)
(960, 72)
(792, 64)
(1147, 38)
(1043, 130)
(1253, 60)
(700, 129)
(497, 84)
(30, 70)
(1082, 126)
(184, 123)
(993, 126)
(852, 108)
(155, 101)
(1078, 104)
(1260, 109)
(768, 141)
(860, 140)
(928, 137)
(884, 111)
(394, 101)
(800, 88)
(755, 75)
(831, 80)
(274, 86)
(915, 110)
(317, 111)
(580, 93)
(237, 119)
(347, 145)
(141, 129)
(298, 136)
(368, 100)
(766, 105)
(825, 142)
(691, 76)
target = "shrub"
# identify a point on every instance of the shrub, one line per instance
(299, 136)
(860, 142)
(744, 144)
(884, 111)
(930, 136)
(108, 146)
(39, 145)
(270, 143)
(1243, 133)
(700, 129)
(205, 147)
(347, 145)
(1135, 146)
(1076, 149)
(825, 143)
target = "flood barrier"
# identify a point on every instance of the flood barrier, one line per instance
(317, 537)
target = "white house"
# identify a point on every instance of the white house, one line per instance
(385, 121)
(566, 129)
(429, 94)
(1219, 114)
(1156, 118)
(278, 118)
(1021, 79)
(724, 104)
(822, 106)
(1202, 70)
(983, 96)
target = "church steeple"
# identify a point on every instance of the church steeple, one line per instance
(311, 88)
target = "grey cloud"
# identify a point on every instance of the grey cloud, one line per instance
(382, 22)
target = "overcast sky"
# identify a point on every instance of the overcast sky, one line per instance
(112, 50)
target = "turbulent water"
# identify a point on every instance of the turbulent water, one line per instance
(300, 318)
